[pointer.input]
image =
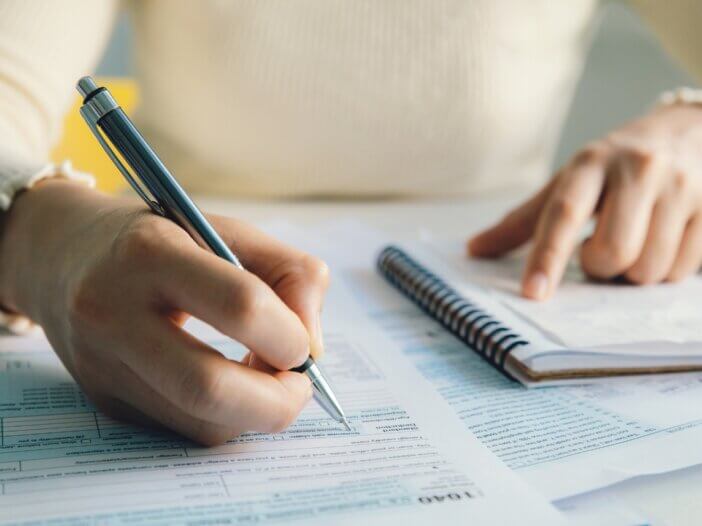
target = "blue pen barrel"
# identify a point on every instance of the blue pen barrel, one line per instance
(131, 145)
(159, 182)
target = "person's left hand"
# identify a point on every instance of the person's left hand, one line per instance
(643, 185)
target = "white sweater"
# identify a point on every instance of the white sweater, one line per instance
(321, 97)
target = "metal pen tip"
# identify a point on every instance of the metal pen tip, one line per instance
(346, 423)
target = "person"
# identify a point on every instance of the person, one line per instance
(313, 98)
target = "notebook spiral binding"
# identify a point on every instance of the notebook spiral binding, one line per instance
(467, 321)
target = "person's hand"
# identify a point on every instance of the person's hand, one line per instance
(643, 184)
(111, 284)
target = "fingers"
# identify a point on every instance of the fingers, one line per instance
(689, 257)
(515, 229)
(567, 209)
(237, 303)
(299, 279)
(643, 231)
(660, 248)
(553, 217)
(208, 392)
(140, 404)
(623, 224)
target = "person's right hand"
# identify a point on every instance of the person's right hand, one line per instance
(111, 284)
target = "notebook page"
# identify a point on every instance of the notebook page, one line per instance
(583, 314)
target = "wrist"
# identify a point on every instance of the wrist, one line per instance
(34, 244)
(11, 252)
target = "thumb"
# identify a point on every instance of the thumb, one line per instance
(512, 231)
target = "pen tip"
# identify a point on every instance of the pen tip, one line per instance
(346, 424)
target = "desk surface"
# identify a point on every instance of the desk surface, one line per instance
(672, 498)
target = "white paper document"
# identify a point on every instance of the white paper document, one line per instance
(603, 509)
(407, 460)
(563, 440)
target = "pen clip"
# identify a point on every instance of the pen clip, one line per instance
(92, 124)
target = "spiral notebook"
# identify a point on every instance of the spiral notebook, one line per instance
(541, 347)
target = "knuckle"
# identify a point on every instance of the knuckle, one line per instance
(638, 166)
(680, 182)
(142, 239)
(135, 244)
(678, 274)
(210, 435)
(619, 254)
(564, 208)
(590, 154)
(202, 390)
(284, 415)
(607, 259)
(639, 176)
(547, 255)
(246, 303)
(638, 157)
(674, 277)
(640, 276)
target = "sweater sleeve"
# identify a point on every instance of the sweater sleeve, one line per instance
(44, 48)
(676, 23)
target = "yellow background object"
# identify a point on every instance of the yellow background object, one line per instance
(78, 144)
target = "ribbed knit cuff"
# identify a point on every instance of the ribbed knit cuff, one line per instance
(682, 95)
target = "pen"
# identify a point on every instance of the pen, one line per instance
(168, 199)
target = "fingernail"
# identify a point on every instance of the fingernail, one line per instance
(536, 286)
(317, 343)
(473, 246)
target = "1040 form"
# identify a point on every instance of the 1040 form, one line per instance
(407, 458)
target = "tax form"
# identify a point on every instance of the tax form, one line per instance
(563, 440)
(407, 459)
